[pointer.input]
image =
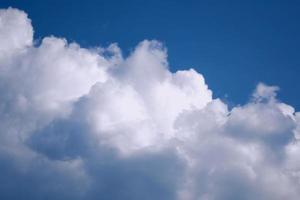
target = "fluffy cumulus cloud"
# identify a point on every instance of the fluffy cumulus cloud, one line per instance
(79, 123)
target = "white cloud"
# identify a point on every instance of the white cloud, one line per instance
(83, 123)
(15, 31)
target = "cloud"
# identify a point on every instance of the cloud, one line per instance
(82, 123)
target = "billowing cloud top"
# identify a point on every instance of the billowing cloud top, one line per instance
(80, 123)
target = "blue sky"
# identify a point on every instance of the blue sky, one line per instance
(131, 100)
(234, 44)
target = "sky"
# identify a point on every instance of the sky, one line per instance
(161, 100)
(234, 44)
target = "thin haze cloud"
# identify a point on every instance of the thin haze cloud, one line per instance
(81, 123)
